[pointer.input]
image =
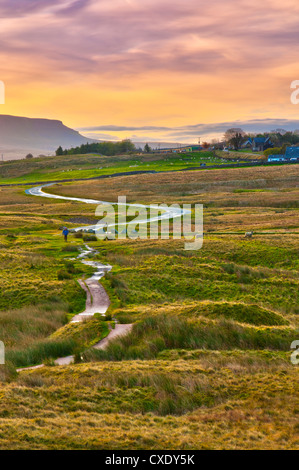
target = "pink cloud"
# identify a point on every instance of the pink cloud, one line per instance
(87, 36)
(239, 51)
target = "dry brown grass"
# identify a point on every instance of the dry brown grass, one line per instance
(184, 399)
(270, 199)
(99, 406)
(183, 184)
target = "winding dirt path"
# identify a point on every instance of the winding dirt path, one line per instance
(97, 301)
(119, 330)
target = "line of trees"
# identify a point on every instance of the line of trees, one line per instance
(102, 148)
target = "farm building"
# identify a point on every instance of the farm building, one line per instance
(258, 144)
(188, 148)
(276, 158)
(291, 155)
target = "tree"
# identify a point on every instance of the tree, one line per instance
(275, 139)
(273, 151)
(126, 146)
(59, 151)
(284, 147)
(235, 137)
(147, 148)
(218, 145)
(29, 156)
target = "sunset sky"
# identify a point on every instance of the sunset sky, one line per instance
(151, 70)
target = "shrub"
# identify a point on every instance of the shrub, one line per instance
(63, 274)
(11, 236)
(89, 238)
(78, 235)
(70, 248)
(71, 269)
(84, 334)
(7, 372)
(273, 151)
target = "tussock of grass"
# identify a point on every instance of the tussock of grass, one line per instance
(154, 334)
(18, 328)
(208, 403)
(85, 334)
(171, 387)
(39, 351)
(239, 312)
(70, 248)
(251, 314)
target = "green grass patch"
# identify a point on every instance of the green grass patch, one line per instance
(85, 334)
(39, 352)
(154, 334)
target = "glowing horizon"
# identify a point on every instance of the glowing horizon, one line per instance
(153, 69)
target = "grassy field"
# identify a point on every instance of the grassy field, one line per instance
(89, 166)
(245, 154)
(38, 283)
(209, 401)
(207, 363)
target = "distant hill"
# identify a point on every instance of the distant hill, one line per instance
(20, 136)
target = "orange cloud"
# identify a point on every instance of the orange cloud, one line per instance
(159, 63)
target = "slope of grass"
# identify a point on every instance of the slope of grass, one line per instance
(89, 166)
(35, 299)
(29, 273)
(155, 334)
(20, 327)
(219, 401)
(40, 351)
(207, 364)
(239, 312)
(209, 274)
(85, 334)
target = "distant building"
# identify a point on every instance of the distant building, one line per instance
(291, 155)
(276, 158)
(258, 144)
(193, 148)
